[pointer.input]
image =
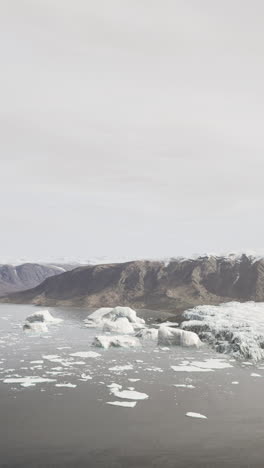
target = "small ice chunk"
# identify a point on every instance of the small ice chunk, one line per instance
(86, 354)
(234, 382)
(28, 380)
(122, 341)
(121, 368)
(212, 364)
(129, 394)
(124, 404)
(196, 415)
(190, 369)
(85, 377)
(184, 385)
(66, 385)
(51, 357)
(114, 385)
(133, 380)
(255, 375)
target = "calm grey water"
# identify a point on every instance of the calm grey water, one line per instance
(49, 426)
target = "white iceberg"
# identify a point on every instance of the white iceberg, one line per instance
(43, 316)
(121, 341)
(121, 325)
(117, 319)
(168, 336)
(36, 327)
(148, 334)
(38, 321)
(234, 328)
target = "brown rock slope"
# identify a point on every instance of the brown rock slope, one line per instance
(154, 285)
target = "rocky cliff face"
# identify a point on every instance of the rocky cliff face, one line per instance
(175, 286)
(25, 276)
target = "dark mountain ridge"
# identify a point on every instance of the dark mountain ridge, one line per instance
(173, 286)
(27, 275)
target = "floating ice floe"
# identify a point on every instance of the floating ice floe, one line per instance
(184, 385)
(38, 321)
(128, 394)
(255, 375)
(196, 415)
(85, 354)
(212, 364)
(28, 381)
(66, 385)
(175, 336)
(122, 341)
(234, 328)
(121, 368)
(124, 404)
(190, 369)
(114, 385)
(117, 319)
(85, 377)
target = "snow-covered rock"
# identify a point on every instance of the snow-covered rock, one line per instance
(123, 341)
(176, 337)
(234, 328)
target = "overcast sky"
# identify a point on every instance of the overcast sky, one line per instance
(131, 128)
